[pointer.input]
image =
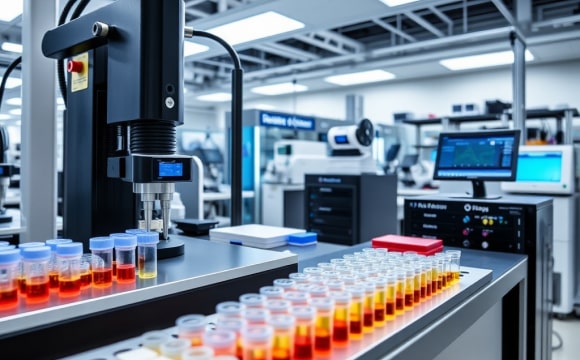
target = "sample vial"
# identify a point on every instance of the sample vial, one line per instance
(257, 342)
(86, 276)
(223, 342)
(198, 353)
(278, 307)
(299, 278)
(304, 287)
(312, 271)
(335, 285)
(426, 266)
(326, 266)
(174, 348)
(368, 306)
(52, 264)
(341, 318)
(21, 277)
(283, 340)
(272, 292)
(125, 254)
(338, 261)
(417, 283)
(256, 316)
(9, 263)
(357, 294)
(380, 300)
(303, 332)
(35, 267)
(400, 291)
(318, 291)
(192, 328)
(391, 295)
(153, 340)
(297, 298)
(68, 257)
(102, 260)
(409, 287)
(236, 325)
(331, 274)
(316, 280)
(454, 257)
(323, 325)
(229, 309)
(286, 284)
(252, 300)
(147, 254)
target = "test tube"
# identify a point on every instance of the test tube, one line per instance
(349, 279)
(229, 309)
(21, 276)
(323, 325)
(272, 292)
(35, 264)
(304, 332)
(400, 292)
(236, 325)
(86, 276)
(251, 300)
(416, 282)
(338, 261)
(380, 300)
(368, 306)
(335, 285)
(299, 278)
(391, 295)
(223, 342)
(331, 275)
(357, 294)
(286, 284)
(9, 262)
(316, 280)
(125, 254)
(283, 342)
(198, 353)
(341, 318)
(326, 266)
(52, 264)
(192, 328)
(278, 307)
(409, 287)
(257, 342)
(256, 316)
(304, 287)
(147, 254)
(102, 260)
(297, 298)
(312, 271)
(174, 348)
(426, 266)
(153, 340)
(318, 291)
(454, 263)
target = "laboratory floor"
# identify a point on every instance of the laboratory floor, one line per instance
(569, 330)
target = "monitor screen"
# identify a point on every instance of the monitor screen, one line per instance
(484, 155)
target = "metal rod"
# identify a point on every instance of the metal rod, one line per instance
(236, 154)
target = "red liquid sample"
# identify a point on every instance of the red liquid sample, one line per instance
(443, 280)
(417, 296)
(340, 332)
(86, 279)
(303, 348)
(356, 327)
(103, 278)
(400, 303)
(428, 289)
(390, 308)
(368, 319)
(8, 298)
(439, 284)
(423, 292)
(69, 287)
(125, 273)
(37, 292)
(408, 300)
(380, 315)
(22, 285)
(322, 343)
(114, 268)
(53, 280)
(449, 277)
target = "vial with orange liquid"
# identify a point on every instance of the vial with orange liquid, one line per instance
(9, 263)
(400, 291)
(454, 263)
(297, 298)
(341, 318)
(192, 328)
(368, 306)
(102, 260)
(278, 307)
(35, 267)
(356, 314)
(286, 284)
(417, 282)
(236, 325)
(52, 263)
(257, 342)
(391, 295)
(283, 340)
(409, 287)
(229, 309)
(125, 245)
(272, 292)
(303, 332)
(21, 277)
(380, 300)
(223, 342)
(323, 325)
(86, 275)
(68, 257)
(256, 316)
(251, 300)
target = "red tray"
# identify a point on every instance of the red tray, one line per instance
(408, 243)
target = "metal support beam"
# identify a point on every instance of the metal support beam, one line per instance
(444, 18)
(508, 16)
(255, 60)
(519, 86)
(394, 30)
(424, 23)
(287, 51)
(197, 13)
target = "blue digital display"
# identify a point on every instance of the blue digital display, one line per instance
(550, 164)
(170, 169)
(341, 139)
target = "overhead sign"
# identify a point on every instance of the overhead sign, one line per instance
(286, 121)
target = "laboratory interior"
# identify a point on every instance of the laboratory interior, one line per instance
(290, 179)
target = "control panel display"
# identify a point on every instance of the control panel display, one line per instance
(170, 169)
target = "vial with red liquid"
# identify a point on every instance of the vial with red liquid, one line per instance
(256, 316)
(297, 298)
(409, 287)
(257, 342)
(102, 260)
(303, 332)
(356, 313)
(278, 307)
(192, 328)
(229, 309)
(9, 263)
(391, 295)
(35, 267)
(323, 325)
(52, 263)
(400, 291)
(341, 318)
(223, 342)
(68, 258)
(125, 245)
(286, 284)
(21, 278)
(236, 325)
(426, 266)
(380, 300)
(368, 306)
(283, 340)
(251, 300)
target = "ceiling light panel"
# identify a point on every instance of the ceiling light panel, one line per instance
(279, 89)
(190, 48)
(12, 47)
(215, 97)
(361, 77)
(14, 101)
(483, 60)
(392, 3)
(10, 10)
(12, 83)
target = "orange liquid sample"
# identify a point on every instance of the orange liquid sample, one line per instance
(103, 278)
(368, 319)
(281, 354)
(439, 283)
(125, 273)
(443, 278)
(340, 332)
(8, 298)
(379, 315)
(428, 288)
(69, 287)
(22, 285)
(322, 342)
(53, 280)
(423, 292)
(356, 327)
(37, 291)
(449, 277)
(303, 347)
(257, 354)
(86, 279)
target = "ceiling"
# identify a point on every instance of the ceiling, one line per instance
(342, 36)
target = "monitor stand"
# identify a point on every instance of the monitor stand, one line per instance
(478, 192)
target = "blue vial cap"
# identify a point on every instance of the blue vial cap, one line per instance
(9, 256)
(148, 237)
(73, 248)
(31, 244)
(54, 242)
(7, 247)
(101, 243)
(35, 253)
(124, 240)
(135, 231)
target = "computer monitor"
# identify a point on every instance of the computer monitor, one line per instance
(544, 169)
(478, 157)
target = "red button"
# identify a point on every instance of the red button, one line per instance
(75, 66)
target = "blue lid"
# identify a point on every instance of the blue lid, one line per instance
(54, 242)
(306, 238)
(9, 256)
(124, 239)
(35, 253)
(73, 248)
(7, 247)
(101, 243)
(148, 237)
(135, 231)
(31, 244)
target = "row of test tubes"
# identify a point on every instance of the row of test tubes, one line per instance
(308, 314)
(34, 270)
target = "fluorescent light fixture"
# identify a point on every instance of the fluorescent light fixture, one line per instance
(190, 48)
(256, 27)
(11, 83)
(215, 97)
(483, 60)
(14, 101)
(279, 89)
(263, 107)
(5, 117)
(12, 47)
(392, 3)
(10, 10)
(15, 112)
(362, 77)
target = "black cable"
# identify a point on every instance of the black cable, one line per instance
(60, 62)
(560, 342)
(233, 54)
(6, 75)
